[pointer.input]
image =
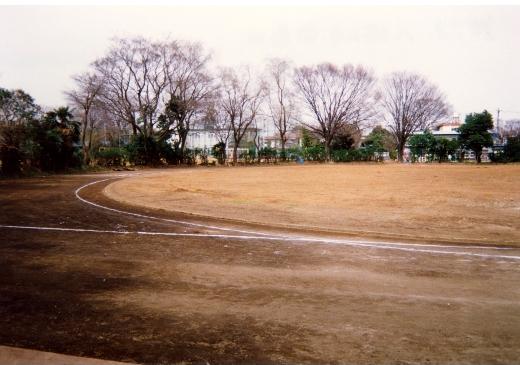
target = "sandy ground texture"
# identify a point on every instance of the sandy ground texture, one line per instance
(19, 356)
(450, 203)
(196, 298)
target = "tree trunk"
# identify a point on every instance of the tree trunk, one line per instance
(86, 157)
(182, 138)
(235, 157)
(327, 151)
(400, 152)
(284, 157)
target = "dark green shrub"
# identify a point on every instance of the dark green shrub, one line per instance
(219, 152)
(339, 155)
(512, 149)
(268, 154)
(314, 153)
(150, 151)
(112, 156)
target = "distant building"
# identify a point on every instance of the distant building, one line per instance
(204, 137)
(201, 138)
(294, 139)
(450, 130)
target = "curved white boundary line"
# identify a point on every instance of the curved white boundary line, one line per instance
(285, 239)
(76, 192)
(271, 235)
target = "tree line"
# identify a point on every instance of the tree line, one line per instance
(160, 89)
(156, 92)
(33, 139)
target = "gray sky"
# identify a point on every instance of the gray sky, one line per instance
(471, 53)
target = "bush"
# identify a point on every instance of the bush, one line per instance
(219, 152)
(111, 156)
(340, 155)
(190, 156)
(512, 149)
(203, 156)
(294, 153)
(142, 150)
(314, 153)
(11, 151)
(268, 154)
(497, 157)
(150, 151)
(248, 156)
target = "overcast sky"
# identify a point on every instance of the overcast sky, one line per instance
(471, 53)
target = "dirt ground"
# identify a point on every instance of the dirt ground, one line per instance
(200, 299)
(455, 203)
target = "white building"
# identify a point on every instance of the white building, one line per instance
(201, 138)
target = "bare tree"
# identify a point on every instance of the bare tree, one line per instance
(411, 104)
(134, 79)
(281, 104)
(240, 102)
(189, 88)
(83, 97)
(335, 97)
(510, 129)
(257, 139)
(215, 119)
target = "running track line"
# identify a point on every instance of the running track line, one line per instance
(270, 235)
(76, 192)
(238, 237)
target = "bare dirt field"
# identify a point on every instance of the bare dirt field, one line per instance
(449, 203)
(79, 279)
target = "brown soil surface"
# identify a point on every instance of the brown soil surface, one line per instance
(169, 300)
(457, 203)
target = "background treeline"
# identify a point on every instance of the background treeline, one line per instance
(30, 139)
(140, 101)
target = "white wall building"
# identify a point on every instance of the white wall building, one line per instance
(201, 138)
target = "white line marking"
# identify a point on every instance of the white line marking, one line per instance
(273, 235)
(157, 218)
(285, 239)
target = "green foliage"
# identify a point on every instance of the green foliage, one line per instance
(353, 155)
(168, 153)
(511, 151)
(426, 145)
(219, 152)
(16, 107)
(340, 155)
(12, 152)
(308, 140)
(149, 150)
(190, 156)
(474, 133)
(248, 156)
(51, 144)
(381, 140)
(314, 153)
(268, 154)
(58, 135)
(111, 156)
(293, 153)
(422, 145)
(343, 140)
(444, 147)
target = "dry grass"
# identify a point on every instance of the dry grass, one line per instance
(465, 203)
